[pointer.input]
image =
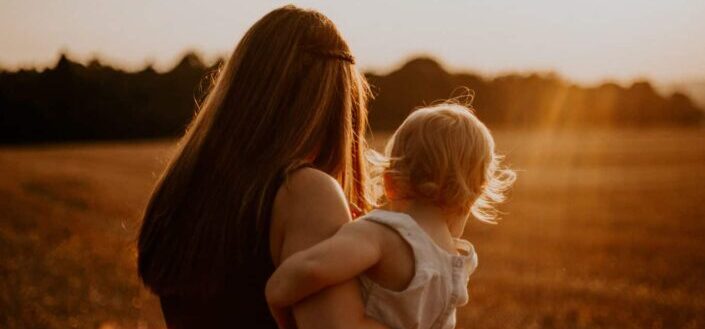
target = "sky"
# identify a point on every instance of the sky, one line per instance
(585, 41)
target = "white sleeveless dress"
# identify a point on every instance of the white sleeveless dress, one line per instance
(438, 287)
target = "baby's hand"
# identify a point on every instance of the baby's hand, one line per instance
(283, 317)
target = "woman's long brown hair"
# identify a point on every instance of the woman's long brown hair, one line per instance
(290, 93)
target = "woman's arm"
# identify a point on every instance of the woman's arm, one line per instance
(352, 250)
(308, 209)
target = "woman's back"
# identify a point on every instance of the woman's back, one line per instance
(242, 302)
(243, 305)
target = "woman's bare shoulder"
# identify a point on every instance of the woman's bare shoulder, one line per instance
(307, 183)
(310, 190)
(308, 208)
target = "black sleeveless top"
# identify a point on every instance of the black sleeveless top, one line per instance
(241, 306)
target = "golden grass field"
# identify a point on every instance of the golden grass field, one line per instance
(604, 229)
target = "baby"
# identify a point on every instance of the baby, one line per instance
(439, 168)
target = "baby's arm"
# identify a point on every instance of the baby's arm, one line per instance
(353, 249)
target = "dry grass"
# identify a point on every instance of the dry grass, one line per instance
(603, 229)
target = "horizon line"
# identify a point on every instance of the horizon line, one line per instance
(664, 88)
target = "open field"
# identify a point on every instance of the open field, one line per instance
(603, 230)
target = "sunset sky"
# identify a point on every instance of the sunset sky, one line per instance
(587, 41)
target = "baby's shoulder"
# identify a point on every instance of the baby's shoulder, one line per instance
(366, 228)
(387, 236)
(395, 268)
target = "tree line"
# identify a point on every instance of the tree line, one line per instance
(72, 101)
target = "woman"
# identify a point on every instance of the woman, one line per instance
(263, 171)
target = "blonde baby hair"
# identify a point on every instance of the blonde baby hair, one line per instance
(445, 155)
